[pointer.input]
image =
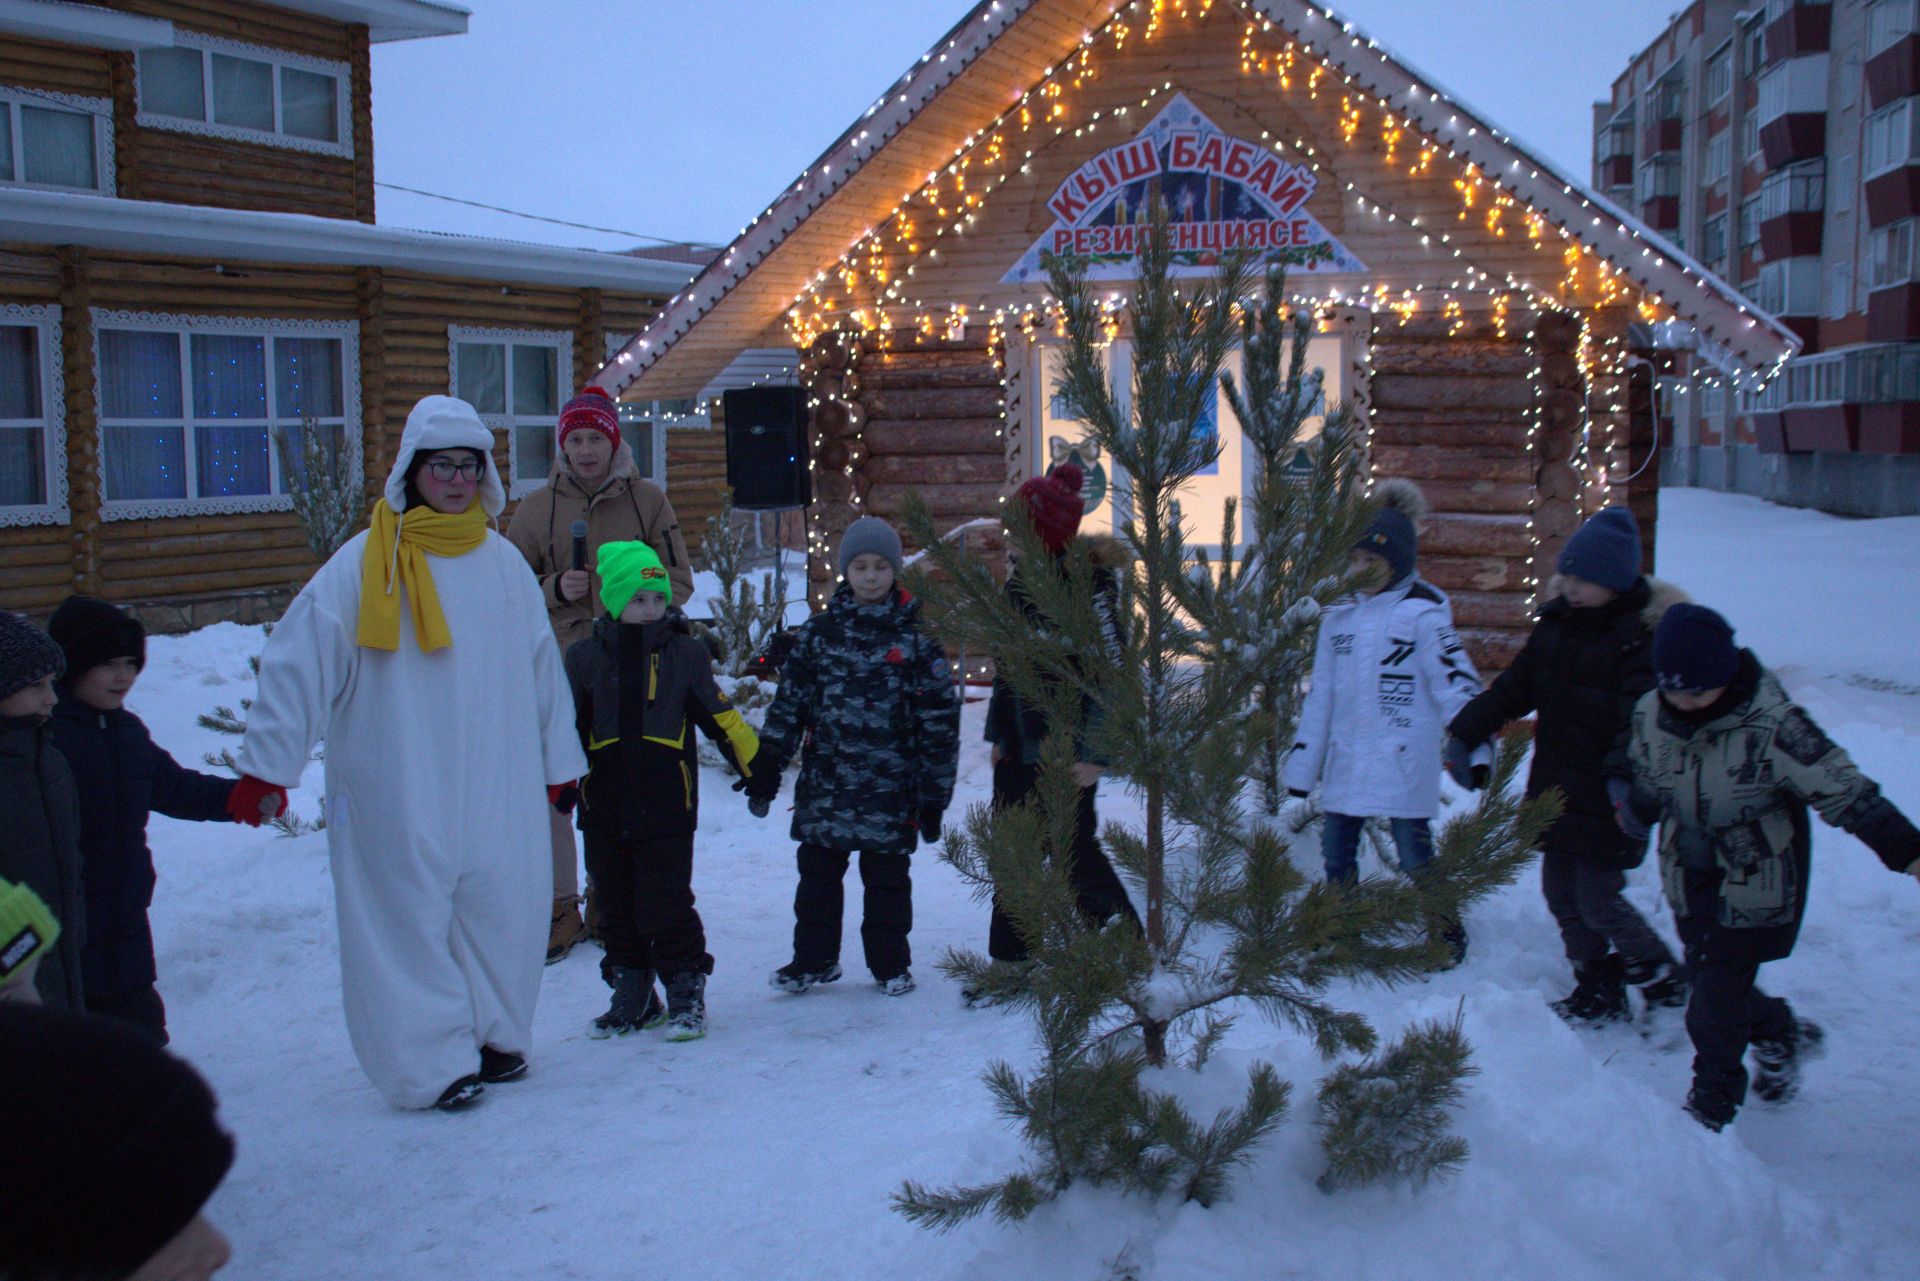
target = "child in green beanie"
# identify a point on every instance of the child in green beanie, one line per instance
(638, 681)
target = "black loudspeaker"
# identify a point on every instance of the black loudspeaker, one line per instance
(767, 448)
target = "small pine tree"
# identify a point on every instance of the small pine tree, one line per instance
(227, 720)
(743, 618)
(1188, 714)
(327, 488)
(1387, 1117)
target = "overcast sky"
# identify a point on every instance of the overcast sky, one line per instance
(682, 119)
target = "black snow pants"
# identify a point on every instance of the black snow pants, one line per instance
(1586, 899)
(1727, 1011)
(645, 893)
(1100, 894)
(820, 904)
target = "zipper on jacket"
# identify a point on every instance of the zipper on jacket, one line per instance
(686, 785)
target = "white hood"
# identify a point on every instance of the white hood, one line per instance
(443, 422)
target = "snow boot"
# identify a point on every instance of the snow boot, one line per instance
(797, 978)
(500, 1066)
(462, 1094)
(687, 1006)
(636, 1004)
(566, 928)
(1663, 984)
(1777, 1063)
(1599, 994)
(1713, 1110)
(899, 985)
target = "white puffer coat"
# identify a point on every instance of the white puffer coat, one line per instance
(1389, 672)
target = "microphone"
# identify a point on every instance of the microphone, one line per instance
(579, 544)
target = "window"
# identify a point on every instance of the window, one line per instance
(1817, 380)
(1750, 136)
(55, 140)
(1750, 222)
(230, 90)
(1719, 156)
(1799, 188)
(513, 378)
(1891, 248)
(1720, 75)
(1797, 86)
(195, 412)
(1889, 22)
(1670, 100)
(1713, 240)
(33, 415)
(1659, 178)
(1889, 139)
(1615, 140)
(1756, 51)
(1790, 287)
(644, 423)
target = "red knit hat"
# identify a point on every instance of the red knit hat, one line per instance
(593, 409)
(1054, 505)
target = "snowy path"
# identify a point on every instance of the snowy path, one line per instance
(770, 1148)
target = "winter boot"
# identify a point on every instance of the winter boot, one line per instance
(566, 929)
(636, 1004)
(899, 985)
(1777, 1063)
(1713, 1110)
(1662, 983)
(500, 1066)
(797, 978)
(462, 1094)
(687, 1006)
(1599, 993)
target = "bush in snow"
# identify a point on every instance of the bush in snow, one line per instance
(1387, 1117)
(1190, 715)
(743, 618)
(326, 485)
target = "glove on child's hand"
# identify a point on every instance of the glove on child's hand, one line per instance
(254, 800)
(563, 796)
(761, 788)
(1457, 758)
(1618, 792)
(930, 824)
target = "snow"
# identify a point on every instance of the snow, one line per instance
(771, 1147)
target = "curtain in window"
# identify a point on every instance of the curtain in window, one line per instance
(140, 379)
(172, 83)
(23, 471)
(23, 467)
(230, 381)
(309, 105)
(58, 147)
(306, 378)
(242, 92)
(231, 461)
(536, 381)
(481, 376)
(533, 452)
(19, 371)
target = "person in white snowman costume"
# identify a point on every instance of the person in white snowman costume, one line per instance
(421, 654)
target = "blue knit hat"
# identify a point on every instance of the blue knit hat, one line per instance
(1605, 550)
(1693, 650)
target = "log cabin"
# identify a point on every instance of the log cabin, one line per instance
(189, 267)
(1478, 308)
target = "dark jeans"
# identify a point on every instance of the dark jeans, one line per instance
(886, 918)
(1728, 1011)
(1585, 897)
(1099, 894)
(644, 890)
(142, 1008)
(1340, 845)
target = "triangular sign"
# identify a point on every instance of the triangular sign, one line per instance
(1223, 192)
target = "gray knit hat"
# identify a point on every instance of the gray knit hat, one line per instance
(27, 653)
(870, 534)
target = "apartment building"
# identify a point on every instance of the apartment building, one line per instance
(1776, 144)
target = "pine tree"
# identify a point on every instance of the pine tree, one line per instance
(743, 618)
(327, 488)
(1189, 714)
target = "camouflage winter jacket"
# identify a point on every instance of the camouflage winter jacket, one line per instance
(1731, 786)
(872, 699)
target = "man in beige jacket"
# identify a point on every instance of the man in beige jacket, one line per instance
(595, 480)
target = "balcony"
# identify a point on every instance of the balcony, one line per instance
(1793, 206)
(1613, 154)
(1798, 27)
(1863, 400)
(1893, 51)
(1792, 110)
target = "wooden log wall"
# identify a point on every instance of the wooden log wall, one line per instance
(913, 418)
(696, 479)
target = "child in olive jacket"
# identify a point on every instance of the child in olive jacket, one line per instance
(639, 681)
(1729, 765)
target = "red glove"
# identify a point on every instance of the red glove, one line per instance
(254, 800)
(563, 796)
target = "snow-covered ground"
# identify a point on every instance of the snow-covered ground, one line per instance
(770, 1148)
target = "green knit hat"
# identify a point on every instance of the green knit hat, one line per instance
(626, 569)
(27, 928)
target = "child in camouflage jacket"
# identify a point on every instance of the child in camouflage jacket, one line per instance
(870, 700)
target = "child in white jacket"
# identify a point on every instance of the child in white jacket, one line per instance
(1389, 672)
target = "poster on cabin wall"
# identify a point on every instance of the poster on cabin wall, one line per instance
(1223, 193)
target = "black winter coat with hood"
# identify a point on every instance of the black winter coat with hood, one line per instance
(1581, 671)
(122, 776)
(40, 847)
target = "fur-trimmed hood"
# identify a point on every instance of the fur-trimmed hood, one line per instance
(1106, 551)
(623, 465)
(444, 422)
(1661, 597)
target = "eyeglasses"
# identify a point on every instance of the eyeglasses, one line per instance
(445, 469)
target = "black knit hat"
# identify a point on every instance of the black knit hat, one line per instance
(1605, 550)
(27, 654)
(114, 1144)
(1693, 650)
(91, 632)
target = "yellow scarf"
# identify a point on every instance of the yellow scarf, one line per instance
(396, 558)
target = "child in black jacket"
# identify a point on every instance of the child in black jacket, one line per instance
(638, 681)
(122, 776)
(1586, 664)
(39, 817)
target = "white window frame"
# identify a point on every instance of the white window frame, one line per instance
(1750, 147)
(1720, 74)
(346, 331)
(1715, 227)
(1889, 22)
(1719, 156)
(1795, 87)
(1890, 133)
(341, 72)
(52, 421)
(1890, 254)
(1749, 215)
(1790, 287)
(509, 423)
(101, 111)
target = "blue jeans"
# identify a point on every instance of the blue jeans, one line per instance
(1340, 844)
